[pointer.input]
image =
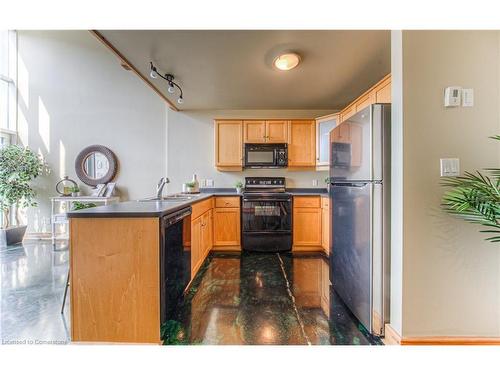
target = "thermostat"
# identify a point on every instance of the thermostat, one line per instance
(452, 96)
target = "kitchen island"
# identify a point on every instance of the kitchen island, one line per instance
(116, 261)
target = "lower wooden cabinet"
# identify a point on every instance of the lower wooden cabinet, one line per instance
(307, 223)
(227, 223)
(201, 233)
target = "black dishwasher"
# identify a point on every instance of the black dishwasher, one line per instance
(175, 261)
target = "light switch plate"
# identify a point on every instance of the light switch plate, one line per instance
(209, 182)
(315, 182)
(450, 167)
(467, 97)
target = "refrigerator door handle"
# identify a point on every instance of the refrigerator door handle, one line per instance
(351, 184)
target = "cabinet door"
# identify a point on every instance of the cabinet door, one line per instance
(227, 227)
(307, 226)
(254, 131)
(196, 245)
(277, 131)
(302, 143)
(323, 127)
(206, 234)
(229, 144)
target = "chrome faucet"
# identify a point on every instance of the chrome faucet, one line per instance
(161, 184)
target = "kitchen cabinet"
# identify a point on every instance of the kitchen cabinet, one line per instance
(347, 112)
(323, 127)
(301, 143)
(307, 223)
(227, 227)
(277, 131)
(254, 131)
(201, 233)
(229, 145)
(325, 224)
(265, 131)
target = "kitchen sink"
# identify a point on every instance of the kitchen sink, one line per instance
(171, 197)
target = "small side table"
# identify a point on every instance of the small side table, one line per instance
(61, 218)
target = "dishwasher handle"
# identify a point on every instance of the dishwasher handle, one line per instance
(176, 216)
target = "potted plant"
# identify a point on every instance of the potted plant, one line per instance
(190, 186)
(75, 191)
(327, 182)
(18, 167)
(475, 197)
(239, 187)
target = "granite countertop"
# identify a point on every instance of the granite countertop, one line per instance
(161, 208)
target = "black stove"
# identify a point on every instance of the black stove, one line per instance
(266, 215)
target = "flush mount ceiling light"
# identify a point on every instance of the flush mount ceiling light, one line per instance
(287, 61)
(170, 80)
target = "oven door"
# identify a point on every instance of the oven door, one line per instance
(259, 156)
(267, 214)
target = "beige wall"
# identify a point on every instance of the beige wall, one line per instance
(451, 276)
(191, 148)
(72, 94)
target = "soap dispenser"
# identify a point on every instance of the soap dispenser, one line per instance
(196, 188)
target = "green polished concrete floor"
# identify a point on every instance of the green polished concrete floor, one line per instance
(250, 298)
(257, 298)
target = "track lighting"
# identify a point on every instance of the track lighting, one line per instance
(169, 78)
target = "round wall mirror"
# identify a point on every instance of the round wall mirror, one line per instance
(96, 165)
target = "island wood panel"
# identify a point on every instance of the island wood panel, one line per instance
(115, 282)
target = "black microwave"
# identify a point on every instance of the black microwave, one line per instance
(268, 155)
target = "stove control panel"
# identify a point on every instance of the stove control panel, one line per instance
(265, 181)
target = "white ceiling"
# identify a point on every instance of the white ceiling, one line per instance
(233, 69)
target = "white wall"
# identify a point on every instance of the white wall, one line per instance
(396, 274)
(191, 148)
(72, 94)
(451, 276)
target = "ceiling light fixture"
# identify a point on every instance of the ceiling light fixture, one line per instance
(287, 61)
(169, 78)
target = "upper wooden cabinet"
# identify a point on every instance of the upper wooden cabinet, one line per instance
(229, 145)
(324, 125)
(383, 91)
(265, 131)
(254, 131)
(379, 93)
(277, 131)
(301, 143)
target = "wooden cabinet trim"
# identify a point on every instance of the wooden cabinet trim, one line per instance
(225, 202)
(307, 201)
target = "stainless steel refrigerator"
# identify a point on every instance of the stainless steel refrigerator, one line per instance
(359, 211)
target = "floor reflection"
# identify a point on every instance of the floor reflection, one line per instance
(255, 298)
(33, 277)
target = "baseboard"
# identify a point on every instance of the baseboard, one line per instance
(391, 336)
(38, 236)
(450, 340)
(226, 248)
